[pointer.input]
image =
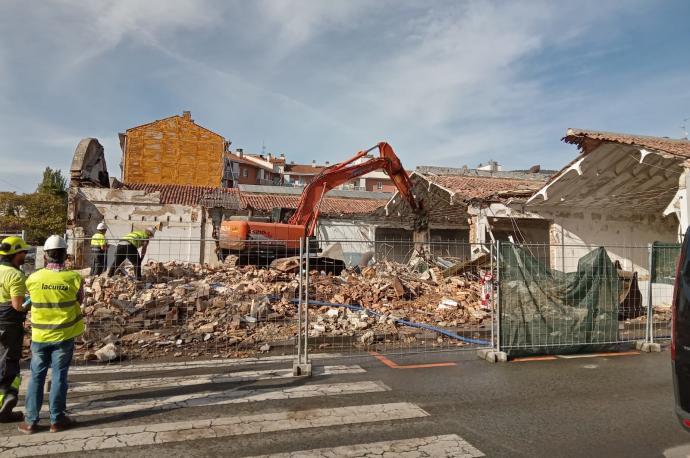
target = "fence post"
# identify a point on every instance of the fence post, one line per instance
(649, 334)
(493, 297)
(299, 303)
(498, 296)
(306, 306)
(302, 366)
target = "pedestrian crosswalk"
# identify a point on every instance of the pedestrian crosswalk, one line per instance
(276, 402)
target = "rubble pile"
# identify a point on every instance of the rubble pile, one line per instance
(232, 310)
(394, 293)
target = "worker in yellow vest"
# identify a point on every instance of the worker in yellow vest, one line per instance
(12, 314)
(99, 250)
(128, 250)
(56, 320)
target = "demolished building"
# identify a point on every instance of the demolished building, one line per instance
(188, 216)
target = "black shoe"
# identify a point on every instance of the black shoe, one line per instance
(9, 404)
(63, 424)
(11, 417)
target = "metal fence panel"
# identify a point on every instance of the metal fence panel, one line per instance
(402, 298)
(664, 258)
(230, 306)
(599, 301)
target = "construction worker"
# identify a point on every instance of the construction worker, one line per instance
(56, 321)
(12, 314)
(99, 250)
(128, 249)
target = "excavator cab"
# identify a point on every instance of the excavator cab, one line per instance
(281, 214)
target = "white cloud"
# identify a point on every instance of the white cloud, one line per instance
(292, 23)
(444, 81)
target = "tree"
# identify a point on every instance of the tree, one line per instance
(40, 214)
(53, 183)
(11, 209)
(44, 214)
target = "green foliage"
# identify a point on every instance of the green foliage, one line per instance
(11, 209)
(53, 183)
(40, 214)
(44, 215)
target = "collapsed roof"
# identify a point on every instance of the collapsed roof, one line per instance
(630, 172)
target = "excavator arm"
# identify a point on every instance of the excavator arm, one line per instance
(307, 211)
(258, 242)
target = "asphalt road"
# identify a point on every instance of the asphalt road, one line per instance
(605, 406)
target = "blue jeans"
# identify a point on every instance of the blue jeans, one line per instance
(58, 356)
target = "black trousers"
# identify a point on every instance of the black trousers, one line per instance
(126, 252)
(11, 341)
(100, 259)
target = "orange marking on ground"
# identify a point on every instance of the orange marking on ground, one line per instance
(393, 365)
(533, 358)
(623, 353)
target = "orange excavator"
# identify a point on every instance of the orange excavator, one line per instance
(259, 242)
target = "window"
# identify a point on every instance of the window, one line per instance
(244, 172)
(379, 186)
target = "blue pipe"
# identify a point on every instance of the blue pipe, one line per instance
(411, 324)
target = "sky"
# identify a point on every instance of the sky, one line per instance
(447, 83)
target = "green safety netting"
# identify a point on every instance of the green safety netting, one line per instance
(545, 311)
(664, 257)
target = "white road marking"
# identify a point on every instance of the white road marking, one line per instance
(682, 451)
(216, 398)
(181, 365)
(449, 445)
(189, 380)
(86, 439)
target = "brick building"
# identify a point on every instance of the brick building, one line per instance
(173, 150)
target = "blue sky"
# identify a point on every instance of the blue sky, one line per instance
(445, 82)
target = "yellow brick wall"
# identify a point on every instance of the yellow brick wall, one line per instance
(173, 151)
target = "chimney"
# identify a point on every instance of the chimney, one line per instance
(187, 116)
(240, 152)
(313, 163)
(270, 157)
(327, 163)
(282, 156)
(292, 162)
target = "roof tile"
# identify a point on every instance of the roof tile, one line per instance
(588, 140)
(233, 198)
(472, 187)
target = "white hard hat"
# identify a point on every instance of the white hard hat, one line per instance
(100, 227)
(54, 242)
(151, 230)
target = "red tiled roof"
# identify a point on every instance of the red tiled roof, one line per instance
(329, 205)
(177, 194)
(233, 198)
(473, 187)
(304, 169)
(588, 140)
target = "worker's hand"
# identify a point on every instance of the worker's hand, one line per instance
(26, 305)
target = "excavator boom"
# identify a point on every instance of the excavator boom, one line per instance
(307, 209)
(278, 239)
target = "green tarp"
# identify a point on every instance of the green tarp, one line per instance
(545, 311)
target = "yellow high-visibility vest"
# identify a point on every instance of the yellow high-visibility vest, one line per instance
(136, 238)
(98, 240)
(55, 311)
